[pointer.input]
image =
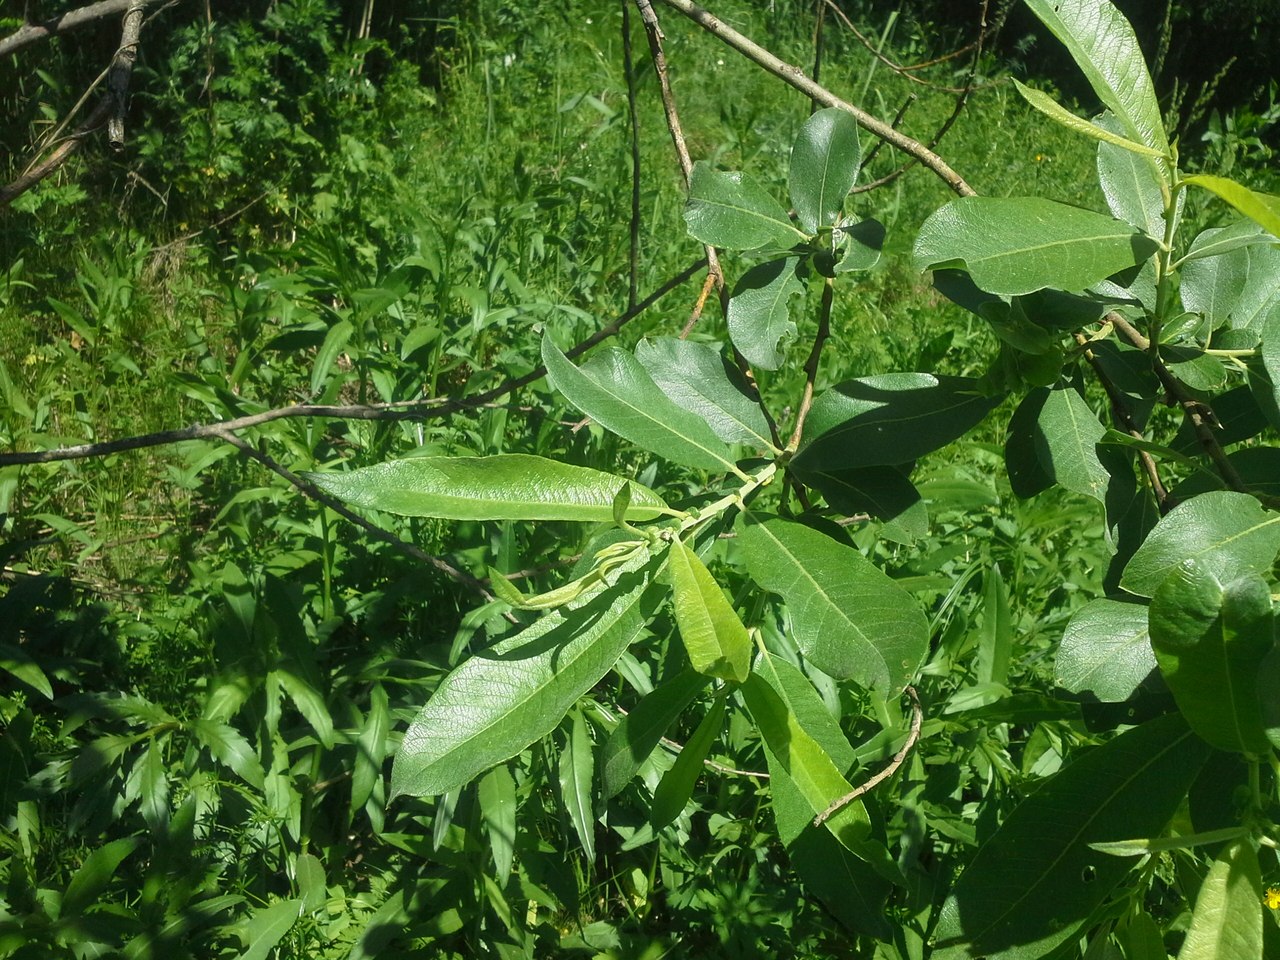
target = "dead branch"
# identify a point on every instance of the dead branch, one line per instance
(31, 33)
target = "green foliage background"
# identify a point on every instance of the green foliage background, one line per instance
(205, 676)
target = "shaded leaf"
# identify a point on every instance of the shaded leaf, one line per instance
(1013, 245)
(636, 736)
(512, 486)
(1032, 885)
(90, 881)
(883, 492)
(496, 794)
(676, 786)
(1105, 651)
(267, 927)
(576, 770)
(759, 317)
(1067, 444)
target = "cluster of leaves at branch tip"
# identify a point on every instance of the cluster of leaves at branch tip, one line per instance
(1190, 612)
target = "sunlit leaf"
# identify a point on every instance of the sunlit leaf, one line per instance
(1227, 922)
(714, 637)
(731, 210)
(1105, 651)
(824, 165)
(576, 771)
(1067, 444)
(1262, 208)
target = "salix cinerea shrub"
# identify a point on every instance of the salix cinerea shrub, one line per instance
(1122, 299)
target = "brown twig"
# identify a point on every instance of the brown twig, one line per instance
(378, 533)
(1193, 409)
(120, 71)
(31, 33)
(395, 410)
(796, 78)
(629, 68)
(1124, 418)
(811, 364)
(59, 155)
(917, 718)
(653, 30)
(907, 73)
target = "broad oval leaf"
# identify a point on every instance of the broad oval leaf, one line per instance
(1210, 638)
(715, 639)
(614, 390)
(824, 166)
(1016, 245)
(1229, 532)
(509, 486)
(1211, 286)
(696, 376)
(883, 492)
(267, 927)
(1104, 47)
(501, 700)
(637, 735)
(889, 419)
(731, 210)
(850, 619)
(1037, 879)
(759, 318)
(1227, 922)
(1066, 443)
(1131, 184)
(1105, 651)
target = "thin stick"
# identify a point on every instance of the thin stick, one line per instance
(811, 364)
(629, 68)
(917, 718)
(31, 33)
(396, 410)
(796, 78)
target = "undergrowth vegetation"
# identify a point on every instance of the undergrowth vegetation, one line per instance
(205, 676)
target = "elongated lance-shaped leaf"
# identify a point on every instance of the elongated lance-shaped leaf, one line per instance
(1262, 208)
(850, 619)
(496, 794)
(637, 735)
(1210, 638)
(1227, 922)
(696, 376)
(1104, 47)
(715, 639)
(676, 786)
(1216, 241)
(1130, 183)
(613, 389)
(759, 317)
(577, 770)
(1017, 245)
(824, 166)
(1032, 885)
(500, 700)
(1055, 111)
(1067, 444)
(1105, 651)
(509, 486)
(1229, 532)
(732, 211)
(889, 419)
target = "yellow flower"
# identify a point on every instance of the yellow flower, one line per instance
(1272, 898)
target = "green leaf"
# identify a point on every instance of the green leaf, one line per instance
(496, 793)
(850, 620)
(637, 735)
(1104, 47)
(1219, 240)
(501, 700)
(1027, 475)
(1262, 208)
(307, 699)
(1032, 885)
(1067, 444)
(1131, 184)
(309, 877)
(1016, 245)
(16, 662)
(1211, 286)
(715, 639)
(889, 419)
(267, 927)
(511, 486)
(847, 886)
(883, 492)
(696, 376)
(230, 749)
(1142, 938)
(1229, 532)
(615, 391)
(995, 642)
(154, 785)
(1227, 922)
(731, 210)
(858, 245)
(1210, 636)
(576, 770)
(1055, 111)
(760, 324)
(334, 343)
(676, 786)
(1105, 651)
(824, 166)
(91, 880)
(371, 748)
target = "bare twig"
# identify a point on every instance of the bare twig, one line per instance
(811, 364)
(796, 78)
(907, 73)
(120, 71)
(629, 68)
(917, 718)
(60, 155)
(401, 410)
(31, 33)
